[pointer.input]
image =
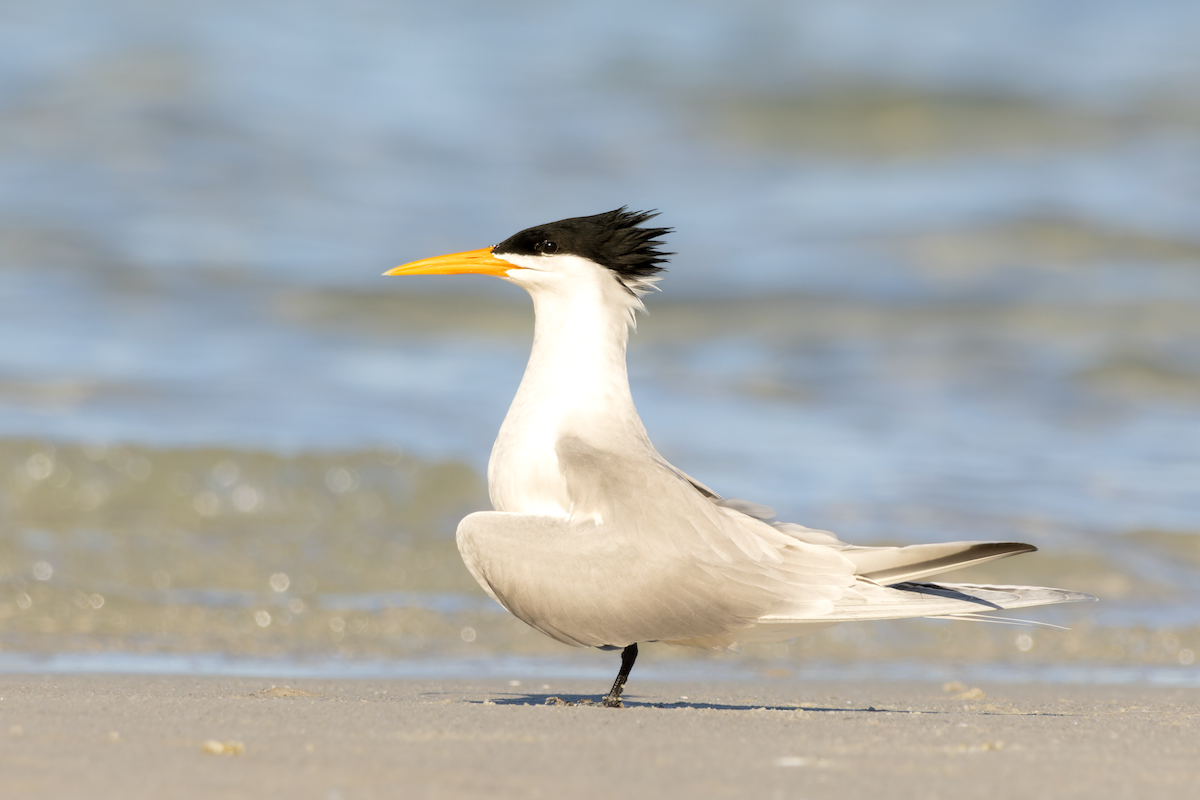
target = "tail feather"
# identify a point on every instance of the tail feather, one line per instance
(1025, 623)
(942, 600)
(872, 601)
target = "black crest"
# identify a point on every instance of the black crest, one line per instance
(612, 239)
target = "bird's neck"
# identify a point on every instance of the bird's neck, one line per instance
(575, 384)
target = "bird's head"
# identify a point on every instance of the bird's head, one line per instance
(574, 250)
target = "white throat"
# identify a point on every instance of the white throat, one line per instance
(575, 384)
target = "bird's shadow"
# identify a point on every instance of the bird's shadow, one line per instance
(586, 701)
(592, 701)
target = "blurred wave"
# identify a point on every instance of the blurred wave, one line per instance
(351, 555)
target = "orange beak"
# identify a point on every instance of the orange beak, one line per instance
(481, 261)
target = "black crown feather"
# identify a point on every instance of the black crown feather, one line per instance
(612, 239)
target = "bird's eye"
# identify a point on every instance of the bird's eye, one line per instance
(546, 247)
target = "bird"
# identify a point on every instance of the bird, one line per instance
(596, 540)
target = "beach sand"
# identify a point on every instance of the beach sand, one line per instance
(104, 736)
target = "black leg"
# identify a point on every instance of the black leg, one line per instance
(628, 656)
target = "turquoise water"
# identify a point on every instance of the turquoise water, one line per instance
(937, 277)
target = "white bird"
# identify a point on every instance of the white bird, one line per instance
(597, 541)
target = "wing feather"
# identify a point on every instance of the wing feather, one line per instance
(892, 565)
(648, 555)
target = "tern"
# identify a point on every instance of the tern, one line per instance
(596, 540)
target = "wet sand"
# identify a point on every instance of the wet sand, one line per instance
(198, 737)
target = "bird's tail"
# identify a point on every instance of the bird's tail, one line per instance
(965, 600)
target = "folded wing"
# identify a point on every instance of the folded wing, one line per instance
(645, 555)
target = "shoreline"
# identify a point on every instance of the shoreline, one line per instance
(187, 736)
(586, 666)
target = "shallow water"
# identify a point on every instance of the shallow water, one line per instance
(937, 276)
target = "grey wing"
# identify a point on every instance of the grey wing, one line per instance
(644, 557)
(576, 583)
(597, 585)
